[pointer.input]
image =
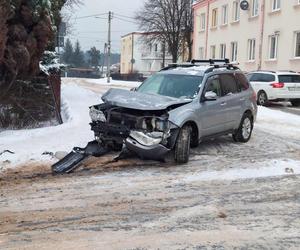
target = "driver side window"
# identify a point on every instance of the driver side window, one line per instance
(214, 85)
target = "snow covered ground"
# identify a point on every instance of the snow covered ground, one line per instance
(229, 196)
(77, 96)
(31, 145)
(278, 123)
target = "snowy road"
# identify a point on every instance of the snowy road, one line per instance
(243, 196)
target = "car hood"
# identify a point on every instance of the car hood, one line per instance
(141, 101)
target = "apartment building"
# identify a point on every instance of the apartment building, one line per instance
(139, 56)
(264, 36)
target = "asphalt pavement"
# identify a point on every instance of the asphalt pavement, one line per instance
(285, 107)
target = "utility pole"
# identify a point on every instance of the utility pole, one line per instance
(104, 59)
(110, 14)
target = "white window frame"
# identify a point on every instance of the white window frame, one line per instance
(251, 49)
(202, 21)
(224, 20)
(276, 5)
(234, 51)
(213, 49)
(255, 8)
(275, 52)
(201, 53)
(223, 50)
(214, 18)
(236, 11)
(298, 2)
(297, 33)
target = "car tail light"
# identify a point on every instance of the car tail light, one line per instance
(277, 85)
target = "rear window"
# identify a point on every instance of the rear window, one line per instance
(289, 78)
(242, 81)
(262, 77)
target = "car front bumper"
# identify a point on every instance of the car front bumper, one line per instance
(154, 152)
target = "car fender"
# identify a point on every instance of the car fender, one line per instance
(184, 114)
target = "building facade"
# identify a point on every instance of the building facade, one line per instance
(141, 57)
(264, 36)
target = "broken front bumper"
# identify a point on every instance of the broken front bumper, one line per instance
(154, 152)
(145, 145)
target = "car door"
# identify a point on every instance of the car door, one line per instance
(212, 113)
(232, 97)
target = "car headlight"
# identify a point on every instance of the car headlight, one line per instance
(147, 139)
(97, 115)
(154, 124)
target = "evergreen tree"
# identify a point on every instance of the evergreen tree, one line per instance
(78, 56)
(94, 57)
(68, 53)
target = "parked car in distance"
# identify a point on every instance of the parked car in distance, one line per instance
(276, 86)
(176, 109)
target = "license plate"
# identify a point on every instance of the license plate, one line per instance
(294, 89)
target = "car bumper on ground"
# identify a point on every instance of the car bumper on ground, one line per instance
(154, 152)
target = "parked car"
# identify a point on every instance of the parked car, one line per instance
(276, 86)
(176, 109)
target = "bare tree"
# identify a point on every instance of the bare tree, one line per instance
(169, 22)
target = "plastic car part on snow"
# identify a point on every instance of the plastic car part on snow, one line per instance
(75, 158)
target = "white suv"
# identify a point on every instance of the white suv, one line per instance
(276, 86)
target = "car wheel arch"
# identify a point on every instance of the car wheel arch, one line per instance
(250, 113)
(194, 133)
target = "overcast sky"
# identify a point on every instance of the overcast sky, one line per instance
(93, 31)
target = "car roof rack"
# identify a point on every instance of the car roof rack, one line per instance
(213, 63)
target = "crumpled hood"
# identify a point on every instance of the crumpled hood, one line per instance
(140, 101)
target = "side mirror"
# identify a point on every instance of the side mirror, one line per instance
(133, 89)
(210, 96)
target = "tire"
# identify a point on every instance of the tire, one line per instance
(244, 132)
(262, 98)
(182, 146)
(295, 103)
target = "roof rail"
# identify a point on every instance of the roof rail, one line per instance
(214, 63)
(225, 66)
(176, 65)
(211, 61)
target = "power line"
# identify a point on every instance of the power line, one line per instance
(96, 32)
(125, 16)
(96, 15)
(119, 18)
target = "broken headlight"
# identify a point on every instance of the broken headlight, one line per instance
(97, 115)
(154, 124)
(147, 139)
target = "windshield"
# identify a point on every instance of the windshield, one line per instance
(178, 86)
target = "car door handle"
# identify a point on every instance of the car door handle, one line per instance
(242, 99)
(223, 104)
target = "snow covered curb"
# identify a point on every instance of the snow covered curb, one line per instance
(278, 123)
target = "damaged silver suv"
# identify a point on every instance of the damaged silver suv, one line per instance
(176, 109)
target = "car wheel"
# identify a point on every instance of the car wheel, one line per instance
(262, 98)
(182, 147)
(244, 132)
(295, 103)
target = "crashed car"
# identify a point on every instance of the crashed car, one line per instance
(175, 109)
